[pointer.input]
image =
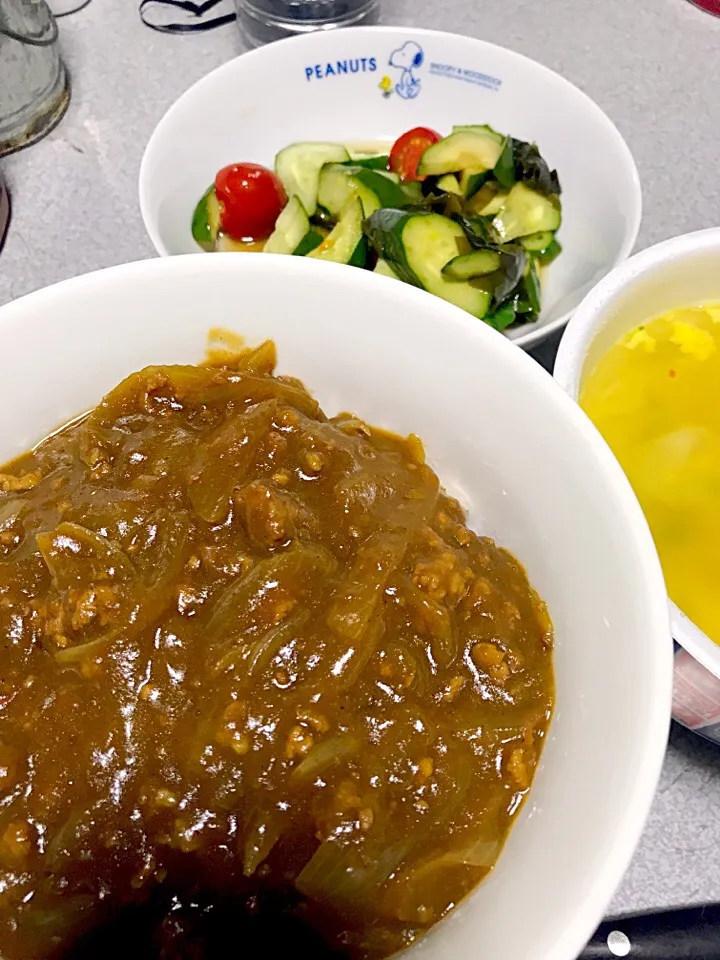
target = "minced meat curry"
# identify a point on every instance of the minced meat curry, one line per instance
(259, 684)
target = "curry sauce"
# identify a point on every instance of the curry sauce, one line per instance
(258, 679)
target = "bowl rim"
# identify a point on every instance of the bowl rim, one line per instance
(581, 331)
(525, 340)
(653, 724)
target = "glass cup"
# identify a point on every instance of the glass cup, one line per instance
(265, 20)
(34, 86)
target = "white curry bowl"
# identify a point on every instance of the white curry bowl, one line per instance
(672, 274)
(327, 86)
(509, 443)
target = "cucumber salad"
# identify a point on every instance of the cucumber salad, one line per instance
(470, 217)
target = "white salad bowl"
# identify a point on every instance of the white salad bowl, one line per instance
(673, 274)
(506, 440)
(362, 84)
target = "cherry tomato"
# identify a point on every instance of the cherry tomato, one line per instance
(407, 150)
(251, 199)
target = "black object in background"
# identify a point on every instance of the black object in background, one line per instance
(546, 351)
(154, 14)
(66, 8)
(4, 211)
(691, 933)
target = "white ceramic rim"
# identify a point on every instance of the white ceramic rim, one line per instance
(652, 728)
(588, 319)
(525, 340)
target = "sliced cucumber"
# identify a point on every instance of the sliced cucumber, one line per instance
(206, 218)
(547, 256)
(339, 182)
(367, 149)
(467, 266)
(360, 254)
(501, 318)
(532, 287)
(299, 166)
(290, 228)
(359, 165)
(384, 185)
(538, 242)
(342, 243)
(430, 241)
(488, 201)
(370, 163)
(472, 180)
(308, 243)
(526, 211)
(412, 190)
(337, 186)
(460, 151)
(213, 212)
(388, 174)
(384, 269)
(483, 129)
(543, 246)
(449, 183)
(200, 226)
(417, 247)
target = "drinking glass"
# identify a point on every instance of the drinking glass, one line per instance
(34, 87)
(265, 20)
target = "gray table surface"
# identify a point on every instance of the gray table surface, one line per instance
(650, 64)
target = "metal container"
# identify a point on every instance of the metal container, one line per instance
(263, 21)
(34, 85)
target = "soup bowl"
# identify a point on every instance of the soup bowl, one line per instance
(509, 443)
(373, 84)
(676, 273)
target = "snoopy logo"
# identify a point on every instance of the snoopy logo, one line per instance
(408, 58)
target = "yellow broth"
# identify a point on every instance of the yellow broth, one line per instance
(655, 396)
